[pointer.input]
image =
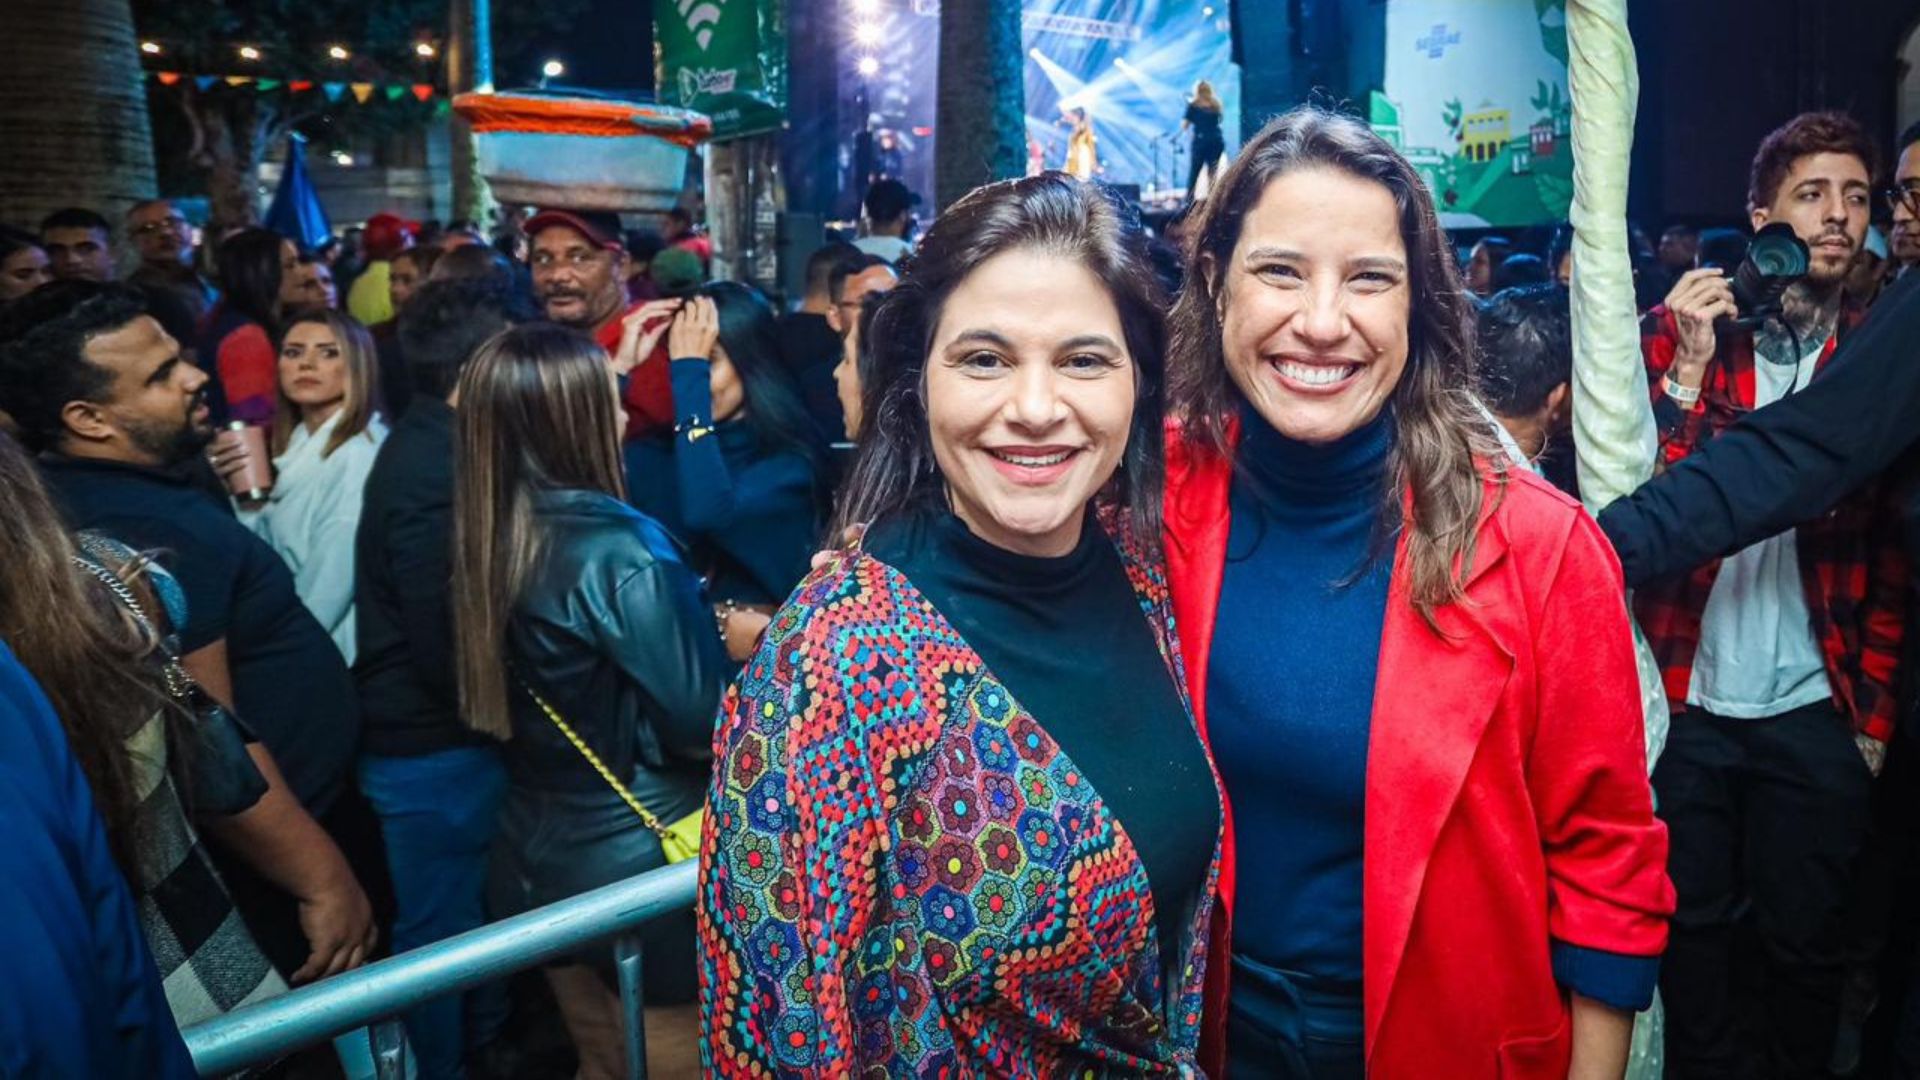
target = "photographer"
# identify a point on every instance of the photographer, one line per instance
(1779, 661)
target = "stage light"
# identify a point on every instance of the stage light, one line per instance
(553, 69)
(151, 48)
(343, 159)
(867, 33)
(1034, 53)
(337, 52)
(423, 50)
(248, 52)
(868, 66)
(1206, 13)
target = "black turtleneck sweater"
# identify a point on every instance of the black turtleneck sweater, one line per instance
(1296, 646)
(1067, 638)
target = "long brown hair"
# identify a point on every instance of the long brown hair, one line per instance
(1051, 212)
(1438, 430)
(92, 663)
(356, 412)
(536, 411)
(1204, 97)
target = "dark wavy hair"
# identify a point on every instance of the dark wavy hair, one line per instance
(1438, 428)
(894, 468)
(250, 276)
(750, 332)
(1808, 133)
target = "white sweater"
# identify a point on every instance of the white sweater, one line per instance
(312, 515)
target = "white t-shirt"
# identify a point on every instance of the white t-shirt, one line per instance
(890, 248)
(1758, 656)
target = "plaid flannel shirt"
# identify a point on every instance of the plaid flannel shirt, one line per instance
(1851, 560)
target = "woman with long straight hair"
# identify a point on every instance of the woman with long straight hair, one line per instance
(326, 432)
(1413, 666)
(962, 823)
(1204, 114)
(583, 643)
(236, 343)
(741, 478)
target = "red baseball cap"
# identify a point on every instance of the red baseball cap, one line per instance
(386, 235)
(600, 227)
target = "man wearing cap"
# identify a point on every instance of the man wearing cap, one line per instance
(579, 277)
(385, 236)
(889, 220)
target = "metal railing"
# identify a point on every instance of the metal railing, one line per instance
(375, 995)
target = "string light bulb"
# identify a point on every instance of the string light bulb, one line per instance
(248, 52)
(423, 50)
(151, 48)
(553, 69)
(337, 52)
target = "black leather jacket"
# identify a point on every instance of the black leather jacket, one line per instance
(614, 631)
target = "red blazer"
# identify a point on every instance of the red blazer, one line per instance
(1507, 797)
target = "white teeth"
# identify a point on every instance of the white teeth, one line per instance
(1315, 374)
(1032, 462)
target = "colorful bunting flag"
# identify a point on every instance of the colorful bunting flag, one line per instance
(300, 86)
(423, 91)
(395, 93)
(167, 78)
(266, 84)
(239, 80)
(362, 91)
(205, 82)
(334, 90)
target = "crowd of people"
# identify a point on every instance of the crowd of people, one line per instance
(1068, 650)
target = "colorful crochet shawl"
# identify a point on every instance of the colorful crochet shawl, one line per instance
(904, 876)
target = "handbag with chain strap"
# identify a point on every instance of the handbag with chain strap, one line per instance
(680, 840)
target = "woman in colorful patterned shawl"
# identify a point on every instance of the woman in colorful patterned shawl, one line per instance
(964, 747)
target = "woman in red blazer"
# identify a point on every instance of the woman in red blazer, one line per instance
(1414, 668)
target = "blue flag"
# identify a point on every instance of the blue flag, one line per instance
(296, 212)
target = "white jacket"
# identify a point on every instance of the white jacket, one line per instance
(312, 515)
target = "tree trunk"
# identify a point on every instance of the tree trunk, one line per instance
(73, 109)
(980, 118)
(469, 67)
(227, 145)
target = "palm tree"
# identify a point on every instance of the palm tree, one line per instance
(980, 118)
(73, 109)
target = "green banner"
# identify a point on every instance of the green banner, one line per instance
(725, 58)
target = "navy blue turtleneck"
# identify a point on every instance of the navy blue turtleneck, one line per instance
(1296, 646)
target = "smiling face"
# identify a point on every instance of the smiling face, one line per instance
(313, 370)
(1030, 395)
(1316, 303)
(1826, 198)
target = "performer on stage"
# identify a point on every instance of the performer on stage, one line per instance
(1203, 116)
(1083, 150)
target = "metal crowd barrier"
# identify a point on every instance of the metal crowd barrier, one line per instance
(377, 994)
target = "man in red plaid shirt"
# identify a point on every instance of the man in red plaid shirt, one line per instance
(1779, 660)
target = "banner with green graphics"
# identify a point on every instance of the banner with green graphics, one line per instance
(727, 59)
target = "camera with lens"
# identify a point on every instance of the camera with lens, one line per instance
(1774, 260)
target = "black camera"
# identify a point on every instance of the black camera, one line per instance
(1775, 259)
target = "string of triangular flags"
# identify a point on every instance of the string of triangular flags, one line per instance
(362, 92)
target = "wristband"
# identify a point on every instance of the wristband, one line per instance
(1682, 395)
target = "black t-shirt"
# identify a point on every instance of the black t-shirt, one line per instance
(809, 349)
(290, 684)
(1206, 124)
(1068, 639)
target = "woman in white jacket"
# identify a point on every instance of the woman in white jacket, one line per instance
(326, 432)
